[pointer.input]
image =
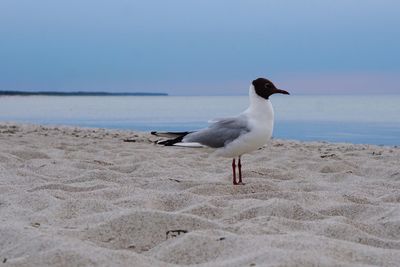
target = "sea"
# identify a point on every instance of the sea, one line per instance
(367, 119)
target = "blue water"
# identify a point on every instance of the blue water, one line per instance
(356, 119)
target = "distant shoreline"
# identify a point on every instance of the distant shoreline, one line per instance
(78, 93)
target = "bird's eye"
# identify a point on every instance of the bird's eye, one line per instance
(267, 85)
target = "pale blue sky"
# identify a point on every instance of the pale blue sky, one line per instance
(200, 47)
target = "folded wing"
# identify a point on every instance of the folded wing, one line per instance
(219, 133)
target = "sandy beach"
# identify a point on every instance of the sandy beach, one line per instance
(86, 197)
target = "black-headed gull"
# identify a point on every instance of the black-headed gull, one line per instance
(235, 136)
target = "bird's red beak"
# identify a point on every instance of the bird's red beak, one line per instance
(279, 91)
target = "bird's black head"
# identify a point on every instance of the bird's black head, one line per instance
(265, 88)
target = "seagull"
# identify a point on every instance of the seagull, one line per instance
(234, 136)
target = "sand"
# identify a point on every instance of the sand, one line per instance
(83, 197)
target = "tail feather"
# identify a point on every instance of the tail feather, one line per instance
(169, 134)
(176, 137)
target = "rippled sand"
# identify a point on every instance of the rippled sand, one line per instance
(73, 196)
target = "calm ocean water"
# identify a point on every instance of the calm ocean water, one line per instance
(356, 119)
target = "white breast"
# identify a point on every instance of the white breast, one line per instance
(260, 115)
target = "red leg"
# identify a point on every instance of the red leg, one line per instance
(234, 172)
(240, 172)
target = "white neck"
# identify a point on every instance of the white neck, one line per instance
(260, 114)
(260, 105)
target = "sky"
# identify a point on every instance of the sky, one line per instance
(200, 47)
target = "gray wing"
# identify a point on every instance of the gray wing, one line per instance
(220, 133)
